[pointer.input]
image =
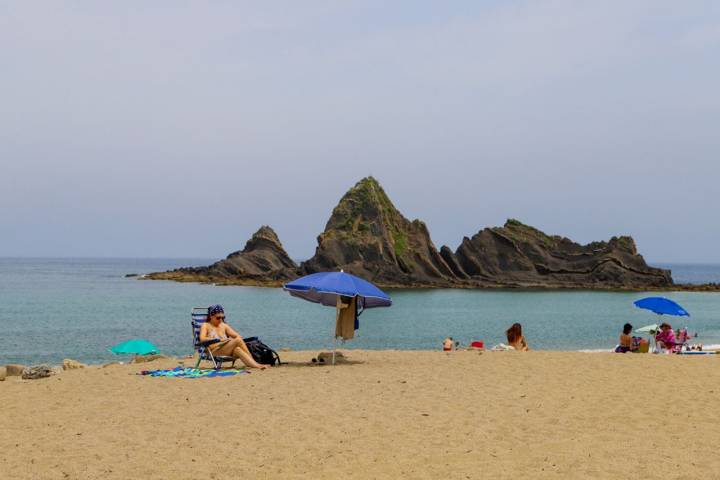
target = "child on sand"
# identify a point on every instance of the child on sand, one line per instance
(448, 344)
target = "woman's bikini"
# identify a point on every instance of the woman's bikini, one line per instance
(213, 334)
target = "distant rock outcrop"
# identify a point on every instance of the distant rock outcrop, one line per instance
(263, 261)
(367, 236)
(520, 255)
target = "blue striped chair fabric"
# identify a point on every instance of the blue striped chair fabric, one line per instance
(199, 316)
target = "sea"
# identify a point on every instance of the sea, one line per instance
(52, 309)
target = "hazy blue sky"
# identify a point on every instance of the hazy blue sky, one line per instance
(178, 128)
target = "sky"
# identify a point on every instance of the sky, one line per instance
(177, 129)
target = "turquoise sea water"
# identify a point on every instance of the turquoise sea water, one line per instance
(52, 309)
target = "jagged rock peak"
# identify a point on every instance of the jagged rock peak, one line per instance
(521, 254)
(624, 242)
(366, 235)
(265, 237)
(263, 261)
(364, 202)
(262, 252)
(522, 231)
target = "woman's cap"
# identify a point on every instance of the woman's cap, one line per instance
(213, 309)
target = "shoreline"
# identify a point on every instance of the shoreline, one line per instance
(688, 287)
(189, 360)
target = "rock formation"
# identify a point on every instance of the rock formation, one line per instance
(263, 261)
(14, 370)
(37, 371)
(367, 236)
(520, 255)
(70, 364)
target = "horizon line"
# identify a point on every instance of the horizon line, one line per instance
(79, 257)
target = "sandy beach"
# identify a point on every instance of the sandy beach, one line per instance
(390, 414)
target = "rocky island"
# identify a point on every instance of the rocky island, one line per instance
(367, 236)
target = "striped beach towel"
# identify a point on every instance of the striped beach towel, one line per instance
(185, 372)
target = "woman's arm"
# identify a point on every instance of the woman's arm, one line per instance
(204, 332)
(233, 334)
(230, 332)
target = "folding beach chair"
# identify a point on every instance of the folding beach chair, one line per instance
(199, 316)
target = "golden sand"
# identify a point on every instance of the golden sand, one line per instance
(390, 415)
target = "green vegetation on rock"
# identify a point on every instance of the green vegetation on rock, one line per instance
(520, 232)
(400, 240)
(625, 242)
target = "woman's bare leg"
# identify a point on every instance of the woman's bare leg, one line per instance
(247, 359)
(227, 349)
(237, 348)
(241, 344)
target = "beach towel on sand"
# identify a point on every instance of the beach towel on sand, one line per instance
(184, 372)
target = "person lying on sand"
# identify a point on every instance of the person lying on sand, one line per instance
(516, 339)
(229, 343)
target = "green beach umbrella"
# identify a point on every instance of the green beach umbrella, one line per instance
(136, 346)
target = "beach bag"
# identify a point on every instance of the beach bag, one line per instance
(261, 352)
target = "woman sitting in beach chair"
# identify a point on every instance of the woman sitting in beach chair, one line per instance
(666, 340)
(626, 343)
(222, 340)
(516, 339)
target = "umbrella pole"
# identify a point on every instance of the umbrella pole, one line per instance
(337, 319)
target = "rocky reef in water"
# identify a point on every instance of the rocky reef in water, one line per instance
(263, 261)
(519, 255)
(367, 236)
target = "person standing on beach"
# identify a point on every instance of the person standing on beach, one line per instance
(516, 339)
(229, 342)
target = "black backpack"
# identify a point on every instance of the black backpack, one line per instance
(261, 352)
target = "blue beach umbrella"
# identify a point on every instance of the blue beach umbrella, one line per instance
(136, 346)
(662, 306)
(325, 287)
